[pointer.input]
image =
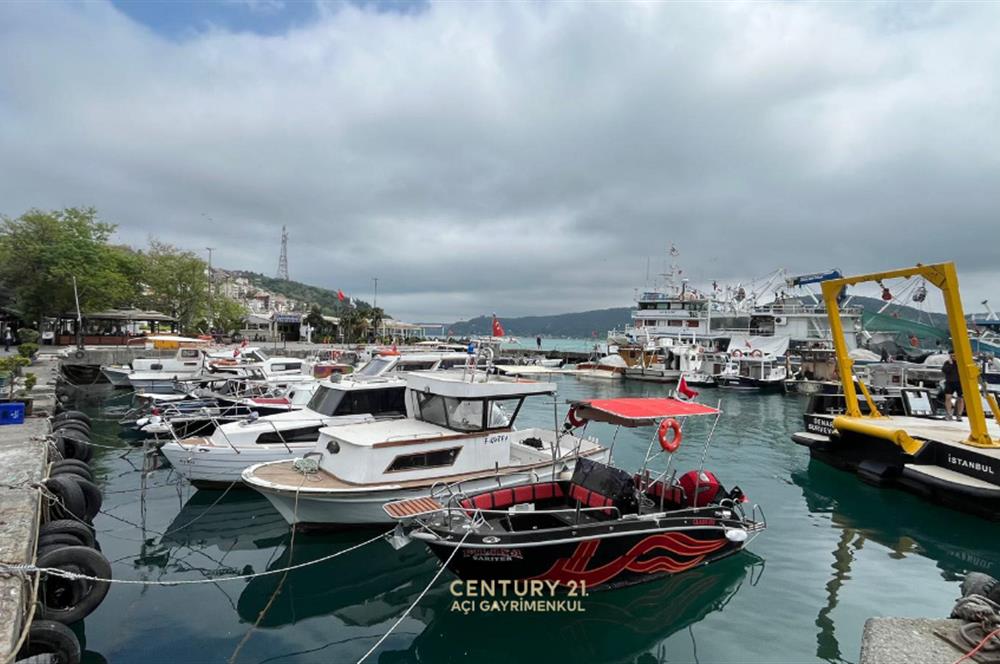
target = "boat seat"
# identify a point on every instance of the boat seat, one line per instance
(501, 499)
(673, 495)
(588, 498)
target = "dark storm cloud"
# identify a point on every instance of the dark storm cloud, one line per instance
(522, 158)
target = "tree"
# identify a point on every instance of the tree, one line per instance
(374, 316)
(228, 314)
(353, 325)
(41, 252)
(176, 283)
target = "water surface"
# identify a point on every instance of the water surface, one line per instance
(836, 552)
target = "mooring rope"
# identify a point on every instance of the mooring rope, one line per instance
(417, 600)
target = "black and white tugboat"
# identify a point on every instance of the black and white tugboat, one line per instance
(898, 438)
(601, 527)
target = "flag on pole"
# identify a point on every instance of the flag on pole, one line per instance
(340, 295)
(683, 389)
(497, 327)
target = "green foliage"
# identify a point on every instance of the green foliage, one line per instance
(30, 380)
(327, 300)
(176, 283)
(41, 252)
(227, 314)
(28, 336)
(27, 350)
(10, 367)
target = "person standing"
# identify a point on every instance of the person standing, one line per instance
(952, 386)
(7, 340)
(538, 342)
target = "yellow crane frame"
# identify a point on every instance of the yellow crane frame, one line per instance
(944, 276)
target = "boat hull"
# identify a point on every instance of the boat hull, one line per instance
(117, 376)
(745, 384)
(598, 561)
(212, 466)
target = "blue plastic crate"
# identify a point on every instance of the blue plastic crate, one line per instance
(11, 413)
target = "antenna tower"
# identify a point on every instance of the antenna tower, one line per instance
(283, 260)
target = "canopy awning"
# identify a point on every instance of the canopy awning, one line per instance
(638, 411)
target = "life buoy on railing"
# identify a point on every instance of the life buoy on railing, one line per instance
(574, 420)
(756, 352)
(737, 353)
(669, 444)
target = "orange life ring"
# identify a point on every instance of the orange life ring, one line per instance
(573, 419)
(756, 352)
(737, 353)
(666, 442)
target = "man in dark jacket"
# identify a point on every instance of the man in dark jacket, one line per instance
(952, 385)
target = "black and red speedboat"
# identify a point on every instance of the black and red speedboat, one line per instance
(602, 527)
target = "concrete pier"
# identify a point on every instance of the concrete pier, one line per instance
(23, 460)
(907, 640)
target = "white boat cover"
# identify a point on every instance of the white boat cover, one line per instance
(774, 346)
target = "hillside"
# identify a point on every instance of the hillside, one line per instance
(579, 325)
(325, 298)
(583, 324)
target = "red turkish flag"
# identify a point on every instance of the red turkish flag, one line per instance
(682, 388)
(340, 295)
(497, 327)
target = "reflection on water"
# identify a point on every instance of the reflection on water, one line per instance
(837, 552)
(617, 626)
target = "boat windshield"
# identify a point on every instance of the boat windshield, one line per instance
(468, 414)
(385, 401)
(375, 367)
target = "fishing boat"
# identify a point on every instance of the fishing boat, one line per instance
(598, 527)
(956, 463)
(459, 429)
(220, 458)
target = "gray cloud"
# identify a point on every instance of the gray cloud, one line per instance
(521, 158)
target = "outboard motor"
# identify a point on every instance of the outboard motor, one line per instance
(706, 483)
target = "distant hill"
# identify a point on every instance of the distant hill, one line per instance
(583, 324)
(580, 325)
(324, 297)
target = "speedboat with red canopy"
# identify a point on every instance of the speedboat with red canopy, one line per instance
(598, 527)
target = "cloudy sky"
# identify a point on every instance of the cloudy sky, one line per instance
(518, 158)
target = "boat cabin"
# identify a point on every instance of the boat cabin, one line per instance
(454, 425)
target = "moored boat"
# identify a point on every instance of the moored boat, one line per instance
(602, 526)
(459, 430)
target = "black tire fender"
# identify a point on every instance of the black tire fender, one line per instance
(53, 639)
(60, 539)
(71, 501)
(74, 471)
(81, 596)
(91, 496)
(73, 427)
(73, 446)
(73, 415)
(84, 532)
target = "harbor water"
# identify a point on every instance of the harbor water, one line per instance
(835, 553)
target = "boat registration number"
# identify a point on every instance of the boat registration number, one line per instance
(497, 438)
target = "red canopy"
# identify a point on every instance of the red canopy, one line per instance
(638, 411)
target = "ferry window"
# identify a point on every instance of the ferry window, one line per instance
(375, 367)
(452, 363)
(380, 402)
(692, 323)
(503, 412)
(675, 323)
(434, 459)
(300, 435)
(290, 366)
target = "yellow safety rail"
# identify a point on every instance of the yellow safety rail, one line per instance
(944, 276)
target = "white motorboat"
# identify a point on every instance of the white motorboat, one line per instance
(459, 431)
(219, 459)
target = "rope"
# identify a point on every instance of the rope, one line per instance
(417, 600)
(979, 647)
(13, 569)
(277, 589)
(12, 655)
